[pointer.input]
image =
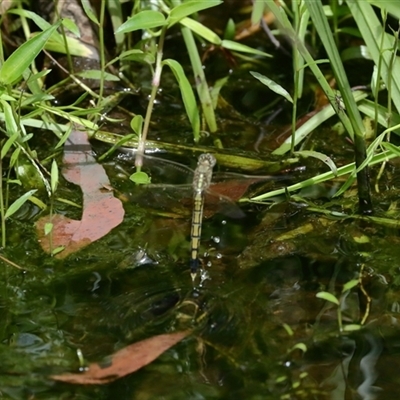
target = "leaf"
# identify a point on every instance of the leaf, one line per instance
(143, 20)
(140, 178)
(89, 11)
(242, 48)
(97, 74)
(275, 87)
(328, 297)
(54, 176)
(188, 8)
(201, 30)
(20, 59)
(11, 125)
(187, 94)
(101, 212)
(14, 207)
(349, 285)
(48, 228)
(7, 145)
(320, 156)
(137, 124)
(125, 361)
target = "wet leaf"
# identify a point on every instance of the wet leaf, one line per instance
(101, 210)
(124, 361)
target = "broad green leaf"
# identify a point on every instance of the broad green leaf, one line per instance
(137, 124)
(21, 58)
(14, 207)
(242, 48)
(143, 20)
(201, 30)
(97, 74)
(187, 94)
(319, 156)
(275, 87)
(188, 8)
(328, 297)
(140, 178)
(349, 285)
(89, 11)
(54, 176)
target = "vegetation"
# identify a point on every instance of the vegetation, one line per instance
(168, 69)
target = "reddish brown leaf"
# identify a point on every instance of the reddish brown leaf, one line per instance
(124, 361)
(101, 210)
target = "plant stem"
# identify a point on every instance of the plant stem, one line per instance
(154, 88)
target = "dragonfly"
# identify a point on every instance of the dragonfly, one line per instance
(201, 182)
(175, 184)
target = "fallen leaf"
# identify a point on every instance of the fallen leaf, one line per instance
(124, 361)
(101, 210)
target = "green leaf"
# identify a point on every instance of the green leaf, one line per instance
(20, 59)
(54, 176)
(143, 20)
(352, 327)
(137, 124)
(328, 297)
(201, 30)
(242, 48)
(275, 87)
(14, 207)
(7, 145)
(187, 94)
(140, 178)
(11, 125)
(392, 148)
(319, 156)
(37, 19)
(349, 285)
(97, 74)
(188, 8)
(257, 12)
(89, 11)
(71, 26)
(48, 227)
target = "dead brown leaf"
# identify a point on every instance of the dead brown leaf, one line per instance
(124, 361)
(101, 210)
